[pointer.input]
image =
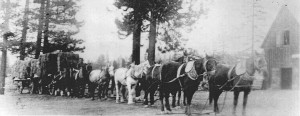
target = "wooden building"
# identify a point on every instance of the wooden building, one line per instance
(281, 47)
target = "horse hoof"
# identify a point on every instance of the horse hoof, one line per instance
(162, 112)
(129, 103)
(177, 107)
(168, 112)
(146, 106)
(117, 102)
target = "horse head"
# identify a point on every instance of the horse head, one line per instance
(210, 65)
(259, 62)
(138, 70)
(111, 70)
(205, 66)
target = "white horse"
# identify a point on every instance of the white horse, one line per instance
(129, 77)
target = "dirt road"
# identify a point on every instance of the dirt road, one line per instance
(261, 103)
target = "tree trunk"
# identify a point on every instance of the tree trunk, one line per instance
(24, 31)
(3, 64)
(40, 30)
(46, 31)
(4, 47)
(152, 41)
(136, 42)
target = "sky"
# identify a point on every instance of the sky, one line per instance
(226, 27)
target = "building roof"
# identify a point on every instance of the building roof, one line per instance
(284, 11)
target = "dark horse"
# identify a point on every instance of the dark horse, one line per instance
(150, 83)
(238, 78)
(185, 76)
(80, 79)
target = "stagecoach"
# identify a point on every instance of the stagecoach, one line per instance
(51, 65)
(37, 74)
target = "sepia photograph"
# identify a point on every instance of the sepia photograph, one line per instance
(150, 57)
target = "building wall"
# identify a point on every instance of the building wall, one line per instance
(278, 55)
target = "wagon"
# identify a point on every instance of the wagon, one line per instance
(23, 83)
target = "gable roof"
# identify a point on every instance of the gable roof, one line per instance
(284, 11)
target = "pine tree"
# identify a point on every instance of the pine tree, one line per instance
(24, 31)
(132, 24)
(40, 29)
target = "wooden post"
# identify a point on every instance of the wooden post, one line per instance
(3, 64)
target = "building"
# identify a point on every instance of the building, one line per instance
(281, 46)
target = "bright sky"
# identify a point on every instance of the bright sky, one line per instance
(225, 27)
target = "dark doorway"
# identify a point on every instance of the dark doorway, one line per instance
(286, 78)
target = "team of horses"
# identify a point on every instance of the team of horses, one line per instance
(171, 78)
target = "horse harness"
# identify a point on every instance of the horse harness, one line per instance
(190, 72)
(229, 74)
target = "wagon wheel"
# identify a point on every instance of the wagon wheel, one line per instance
(21, 87)
(40, 89)
(51, 89)
(32, 86)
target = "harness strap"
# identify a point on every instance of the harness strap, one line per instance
(230, 81)
(178, 70)
(230, 71)
(152, 72)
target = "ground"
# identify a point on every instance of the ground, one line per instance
(261, 103)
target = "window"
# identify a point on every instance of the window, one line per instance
(286, 37)
(278, 39)
(283, 38)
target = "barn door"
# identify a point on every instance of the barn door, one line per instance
(286, 78)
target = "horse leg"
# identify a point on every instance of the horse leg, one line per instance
(82, 88)
(92, 89)
(152, 97)
(112, 87)
(216, 96)
(146, 98)
(189, 95)
(184, 99)
(210, 96)
(137, 90)
(167, 103)
(131, 92)
(246, 93)
(117, 92)
(123, 91)
(106, 90)
(161, 98)
(100, 90)
(174, 99)
(235, 100)
(179, 96)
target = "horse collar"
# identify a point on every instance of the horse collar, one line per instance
(152, 72)
(204, 64)
(191, 72)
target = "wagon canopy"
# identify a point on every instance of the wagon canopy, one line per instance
(66, 60)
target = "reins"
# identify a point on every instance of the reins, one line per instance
(231, 80)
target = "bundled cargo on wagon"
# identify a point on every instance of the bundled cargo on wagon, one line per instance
(51, 63)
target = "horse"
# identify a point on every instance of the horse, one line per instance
(150, 83)
(237, 78)
(111, 72)
(80, 80)
(101, 79)
(185, 76)
(129, 77)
